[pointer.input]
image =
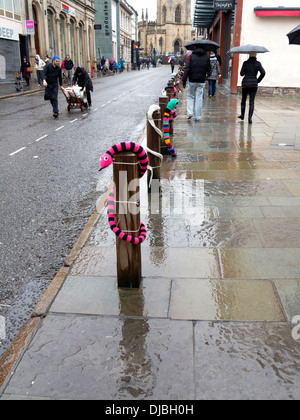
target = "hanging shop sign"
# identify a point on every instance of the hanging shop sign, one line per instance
(29, 25)
(224, 5)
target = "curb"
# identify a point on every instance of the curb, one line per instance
(14, 95)
(18, 346)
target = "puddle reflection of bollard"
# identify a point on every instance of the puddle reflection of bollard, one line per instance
(154, 135)
(127, 198)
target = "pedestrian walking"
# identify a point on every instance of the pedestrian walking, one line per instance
(122, 62)
(172, 62)
(214, 75)
(68, 65)
(47, 59)
(197, 66)
(39, 66)
(83, 80)
(249, 70)
(52, 76)
(25, 65)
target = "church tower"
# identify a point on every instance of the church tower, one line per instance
(172, 29)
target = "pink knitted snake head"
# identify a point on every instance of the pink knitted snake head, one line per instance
(105, 161)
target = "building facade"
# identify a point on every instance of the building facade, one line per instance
(116, 23)
(264, 23)
(45, 27)
(171, 30)
(275, 19)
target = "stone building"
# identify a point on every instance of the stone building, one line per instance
(116, 23)
(171, 30)
(45, 27)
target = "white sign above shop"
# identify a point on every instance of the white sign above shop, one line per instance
(9, 33)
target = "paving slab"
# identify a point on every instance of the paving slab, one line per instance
(107, 358)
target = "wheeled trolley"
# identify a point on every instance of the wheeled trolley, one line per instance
(75, 98)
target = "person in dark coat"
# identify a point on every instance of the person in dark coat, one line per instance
(249, 70)
(52, 76)
(24, 66)
(197, 66)
(84, 81)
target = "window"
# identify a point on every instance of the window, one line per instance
(80, 44)
(9, 5)
(62, 36)
(164, 14)
(161, 44)
(72, 35)
(17, 6)
(178, 14)
(51, 33)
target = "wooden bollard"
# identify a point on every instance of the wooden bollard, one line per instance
(170, 92)
(126, 177)
(154, 143)
(163, 102)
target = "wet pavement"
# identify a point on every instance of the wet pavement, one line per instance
(216, 314)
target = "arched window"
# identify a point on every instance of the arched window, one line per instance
(164, 14)
(80, 44)
(178, 14)
(51, 32)
(176, 47)
(62, 36)
(161, 44)
(73, 44)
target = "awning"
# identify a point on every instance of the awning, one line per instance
(276, 11)
(204, 13)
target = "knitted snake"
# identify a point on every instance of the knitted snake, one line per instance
(169, 115)
(107, 160)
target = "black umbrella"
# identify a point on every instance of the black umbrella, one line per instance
(294, 36)
(206, 44)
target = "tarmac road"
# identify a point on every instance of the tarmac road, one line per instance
(48, 179)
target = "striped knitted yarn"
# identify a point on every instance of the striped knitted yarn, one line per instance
(169, 115)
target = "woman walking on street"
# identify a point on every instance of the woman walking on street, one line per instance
(214, 75)
(249, 70)
(26, 75)
(39, 65)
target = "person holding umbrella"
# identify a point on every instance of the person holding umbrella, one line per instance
(198, 65)
(250, 82)
(249, 70)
